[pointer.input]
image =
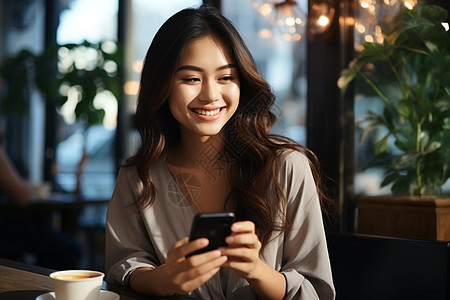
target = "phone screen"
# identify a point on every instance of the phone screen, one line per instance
(213, 226)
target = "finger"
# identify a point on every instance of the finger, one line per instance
(193, 246)
(203, 263)
(181, 242)
(197, 275)
(203, 258)
(243, 226)
(175, 252)
(183, 247)
(190, 285)
(241, 254)
(247, 240)
(197, 278)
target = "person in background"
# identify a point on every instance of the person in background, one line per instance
(11, 183)
(204, 117)
(24, 232)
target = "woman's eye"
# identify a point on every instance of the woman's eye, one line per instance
(191, 79)
(226, 78)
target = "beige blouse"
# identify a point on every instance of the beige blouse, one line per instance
(141, 238)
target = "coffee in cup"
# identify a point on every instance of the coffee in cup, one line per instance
(77, 284)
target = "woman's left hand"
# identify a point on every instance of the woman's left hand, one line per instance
(243, 250)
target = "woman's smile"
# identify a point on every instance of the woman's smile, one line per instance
(205, 112)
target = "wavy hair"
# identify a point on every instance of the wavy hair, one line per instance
(255, 152)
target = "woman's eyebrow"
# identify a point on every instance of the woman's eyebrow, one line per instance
(229, 66)
(198, 69)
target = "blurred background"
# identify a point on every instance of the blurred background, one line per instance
(70, 72)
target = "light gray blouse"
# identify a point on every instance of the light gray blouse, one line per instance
(141, 238)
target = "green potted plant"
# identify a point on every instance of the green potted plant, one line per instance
(86, 68)
(55, 70)
(410, 74)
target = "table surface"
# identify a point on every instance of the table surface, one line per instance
(26, 282)
(58, 200)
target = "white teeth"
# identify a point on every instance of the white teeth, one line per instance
(207, 112)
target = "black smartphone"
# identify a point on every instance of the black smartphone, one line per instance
(213, 226)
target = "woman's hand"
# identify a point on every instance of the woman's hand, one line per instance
(243, 257)
(243, 250)
(182, 274)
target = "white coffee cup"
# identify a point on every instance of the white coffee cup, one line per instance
(77, 284)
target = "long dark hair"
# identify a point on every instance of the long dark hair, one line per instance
(255, 152)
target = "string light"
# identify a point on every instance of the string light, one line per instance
(289, 19)
(321, 15)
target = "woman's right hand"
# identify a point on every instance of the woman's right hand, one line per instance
(184, 274)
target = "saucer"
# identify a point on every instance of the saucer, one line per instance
(104, 295)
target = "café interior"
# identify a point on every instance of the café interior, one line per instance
(69, 76)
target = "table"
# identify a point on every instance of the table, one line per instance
(20, 281)
(76, 217)
(69, 207)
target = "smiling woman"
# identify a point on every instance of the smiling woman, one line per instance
(204, 118)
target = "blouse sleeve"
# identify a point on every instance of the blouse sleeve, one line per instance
(306, 264)
(127, 243)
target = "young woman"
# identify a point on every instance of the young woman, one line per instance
(204, 117)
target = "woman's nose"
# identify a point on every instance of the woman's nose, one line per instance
(209, 91)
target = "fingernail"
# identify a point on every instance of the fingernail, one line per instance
(203, 242)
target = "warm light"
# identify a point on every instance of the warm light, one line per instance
(265, 9)
(137, 66)
(379, 38)
(390, 2)
(359, 48)
(409, 4)
(379, 34)
(360, 28)
(368, 38)
(364, 3)
(349, 21)
(287, 37)
(265, 33)
(290, 21)
(445, 25)
(296, 37)
(378, 29)
(131, 88)
(323, 21)
(321, 16)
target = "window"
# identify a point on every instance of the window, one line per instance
(281, 62)
(83, 148)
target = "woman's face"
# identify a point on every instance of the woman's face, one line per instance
(206, 89)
